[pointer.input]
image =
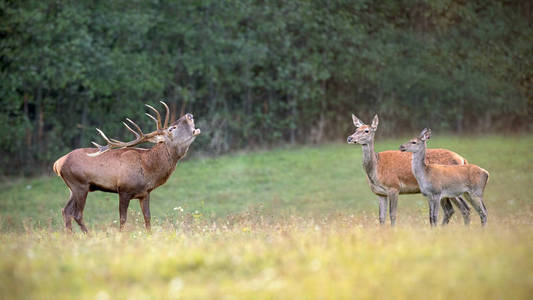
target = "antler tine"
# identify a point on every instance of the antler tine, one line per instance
(158, 121)
(152, 117)
(136, 126)
(103, 135)
(140, 137)
(101, 149)
(129, 128)
(167, 115)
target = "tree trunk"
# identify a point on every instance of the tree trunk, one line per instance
(27, 115)
(40, 115)
(81, 140)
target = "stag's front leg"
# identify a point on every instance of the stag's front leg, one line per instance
(382, 209)
(124, 202)
(145, 206)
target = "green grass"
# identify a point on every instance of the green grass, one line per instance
(289, 223)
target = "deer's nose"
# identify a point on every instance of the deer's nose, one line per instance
(349, 139)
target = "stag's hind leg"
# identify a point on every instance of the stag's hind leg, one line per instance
(79, 206)
(74, 208)
(68, 212)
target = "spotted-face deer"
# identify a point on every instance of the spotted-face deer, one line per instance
(132, 173)
(389, 172)
(440, 181)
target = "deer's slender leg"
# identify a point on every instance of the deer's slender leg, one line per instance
(393, 205)
(433, 209)
(67, 212)
(447, 209)
(479, 206)
(463, 207)
(382, 209)
(145, 206)
(124, 202)
(79, 205)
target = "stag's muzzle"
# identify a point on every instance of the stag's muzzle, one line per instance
(196, 132)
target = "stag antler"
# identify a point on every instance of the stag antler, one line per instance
(140, 137)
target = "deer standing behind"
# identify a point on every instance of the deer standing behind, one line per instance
(440, 181)
(132, 173)
(389, 173)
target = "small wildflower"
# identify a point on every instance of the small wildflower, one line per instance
(175, 286)
(102, 295)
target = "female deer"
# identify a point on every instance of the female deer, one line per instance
(439, 181)
(389, 172)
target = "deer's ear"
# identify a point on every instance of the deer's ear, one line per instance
(357, 122)
(375, 122)
(425, 134)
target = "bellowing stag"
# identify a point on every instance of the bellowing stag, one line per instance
(132, 173)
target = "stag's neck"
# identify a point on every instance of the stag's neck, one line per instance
(419, 167)
(160, 161)
(370, 162)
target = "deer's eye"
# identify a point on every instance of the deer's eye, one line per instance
(413, 142)
(366, 131)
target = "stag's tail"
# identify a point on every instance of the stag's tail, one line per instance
(59, 164)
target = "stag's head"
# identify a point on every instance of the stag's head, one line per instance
(364, 134)
(180, 133)
(418, 143)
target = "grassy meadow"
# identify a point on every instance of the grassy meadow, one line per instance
(293, 223)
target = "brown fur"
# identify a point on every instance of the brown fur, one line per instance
(439, 181)
(473, 177)
(110, 172)
(130, 172)
(389, 173)
(394, 168)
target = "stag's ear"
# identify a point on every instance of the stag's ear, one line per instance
(375, 122)
(357, 122)
(425, 134)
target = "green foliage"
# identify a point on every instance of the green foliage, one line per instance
(257, 73)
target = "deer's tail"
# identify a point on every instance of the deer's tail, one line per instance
(59, 164)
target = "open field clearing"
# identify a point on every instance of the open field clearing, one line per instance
(283, 224)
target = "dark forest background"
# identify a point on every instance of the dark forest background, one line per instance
(258, 73)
